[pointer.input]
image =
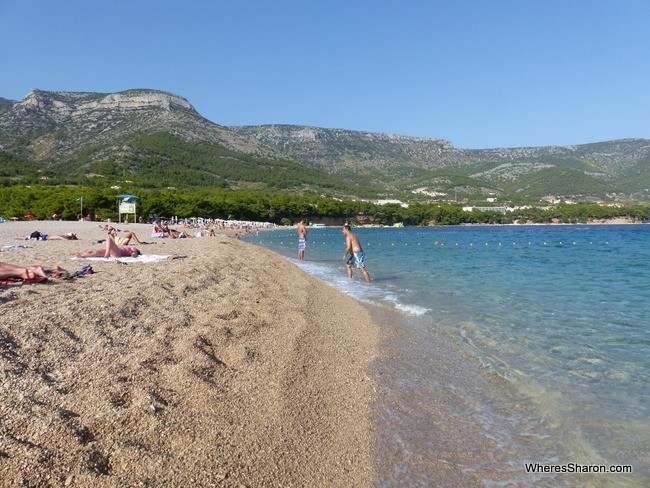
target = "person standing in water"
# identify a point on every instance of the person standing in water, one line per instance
(357, 257)
(302, 239)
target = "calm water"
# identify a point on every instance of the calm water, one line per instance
(535, 340)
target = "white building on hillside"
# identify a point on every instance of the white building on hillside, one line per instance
(385, 202)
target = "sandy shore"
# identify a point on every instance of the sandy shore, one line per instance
(229, 367)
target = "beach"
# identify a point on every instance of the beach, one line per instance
(227, 366)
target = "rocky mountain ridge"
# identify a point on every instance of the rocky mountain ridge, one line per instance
(333, 148)
(51, 127)
(59, 123)
(587, 170)
(63, 105)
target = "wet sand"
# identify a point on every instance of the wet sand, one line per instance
(228, 367)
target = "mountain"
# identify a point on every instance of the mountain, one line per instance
(157, 139)
(435, 165)
(60, 123)
(147, 137)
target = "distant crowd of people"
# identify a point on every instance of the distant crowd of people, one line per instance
(206, 227)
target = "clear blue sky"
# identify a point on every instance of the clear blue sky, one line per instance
(480, 73)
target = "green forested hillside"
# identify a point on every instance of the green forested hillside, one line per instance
(161, 160)
(12, 166)
(564, 181)
(636, 180)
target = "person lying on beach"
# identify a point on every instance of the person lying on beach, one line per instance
(111, 250)
(68, 237)
(162, 228)
(8, 270)
(124, 239)
(45, 237)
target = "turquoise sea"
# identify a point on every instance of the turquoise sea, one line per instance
(502, 346)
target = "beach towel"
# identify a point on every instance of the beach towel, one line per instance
(142, 258)
(20, 281)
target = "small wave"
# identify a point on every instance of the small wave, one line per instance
(411, 309)
(360, 291)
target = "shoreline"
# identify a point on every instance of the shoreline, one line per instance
(433, 404)
(230, 366)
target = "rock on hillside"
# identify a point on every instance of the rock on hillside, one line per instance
(338, 149)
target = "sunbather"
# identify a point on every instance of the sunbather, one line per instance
(163, 228)
(8, 270)
(112, 250)
(125, 238)
(68, 237)
(45, 237)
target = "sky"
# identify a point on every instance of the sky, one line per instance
(479, 73)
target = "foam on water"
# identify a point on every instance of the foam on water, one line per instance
(410, 309)
(357, 289)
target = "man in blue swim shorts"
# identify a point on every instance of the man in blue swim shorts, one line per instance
(302, 239)
(357, 257)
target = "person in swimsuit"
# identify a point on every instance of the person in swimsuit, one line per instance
(357, 257)
(112, 250)
(8, 270)
(302, 239)
(125, 238)
(70, 236)
(39, 236)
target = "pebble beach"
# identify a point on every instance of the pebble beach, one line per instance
(227, 366)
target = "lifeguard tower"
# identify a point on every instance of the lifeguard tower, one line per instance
(126, 206)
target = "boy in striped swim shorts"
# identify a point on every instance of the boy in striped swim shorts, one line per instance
(302, 239)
